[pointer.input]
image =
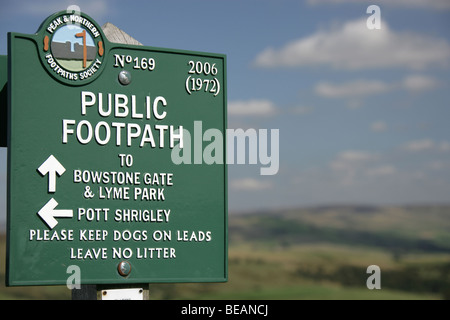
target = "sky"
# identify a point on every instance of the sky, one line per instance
(362, 113)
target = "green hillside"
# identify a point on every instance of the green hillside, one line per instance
(396, 229)
(317, 253)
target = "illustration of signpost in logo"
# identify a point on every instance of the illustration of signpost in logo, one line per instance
(68, 52)
(73, 48)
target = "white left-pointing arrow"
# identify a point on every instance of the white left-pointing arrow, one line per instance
(51, 166)
(48, 213)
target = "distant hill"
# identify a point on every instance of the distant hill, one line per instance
(398, 229)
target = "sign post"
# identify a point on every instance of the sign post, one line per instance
(116, 160)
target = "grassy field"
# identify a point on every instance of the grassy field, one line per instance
(74, 65)
(317, 253)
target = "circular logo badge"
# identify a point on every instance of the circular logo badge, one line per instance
(72, 48)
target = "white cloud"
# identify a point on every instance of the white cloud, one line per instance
(348, 166)
(351, 158)
(362, 87)
(422, 4)
(353, 46)
(419, 145)
(253, 107)
(444, 146)
(249, 184)
(381, 170)
(419, 83)
(351, 168)
(423, 145)
(439, 165)
(356, 88)
(378, 126)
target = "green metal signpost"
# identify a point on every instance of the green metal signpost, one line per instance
(96, 131)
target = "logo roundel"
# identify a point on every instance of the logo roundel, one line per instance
(72, 48)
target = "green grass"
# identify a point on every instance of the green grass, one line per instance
(74, 65)
(319, 292)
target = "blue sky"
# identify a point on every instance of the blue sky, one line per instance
(362, 114)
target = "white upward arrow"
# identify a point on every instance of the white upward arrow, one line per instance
(48, 213)
(52, 167)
